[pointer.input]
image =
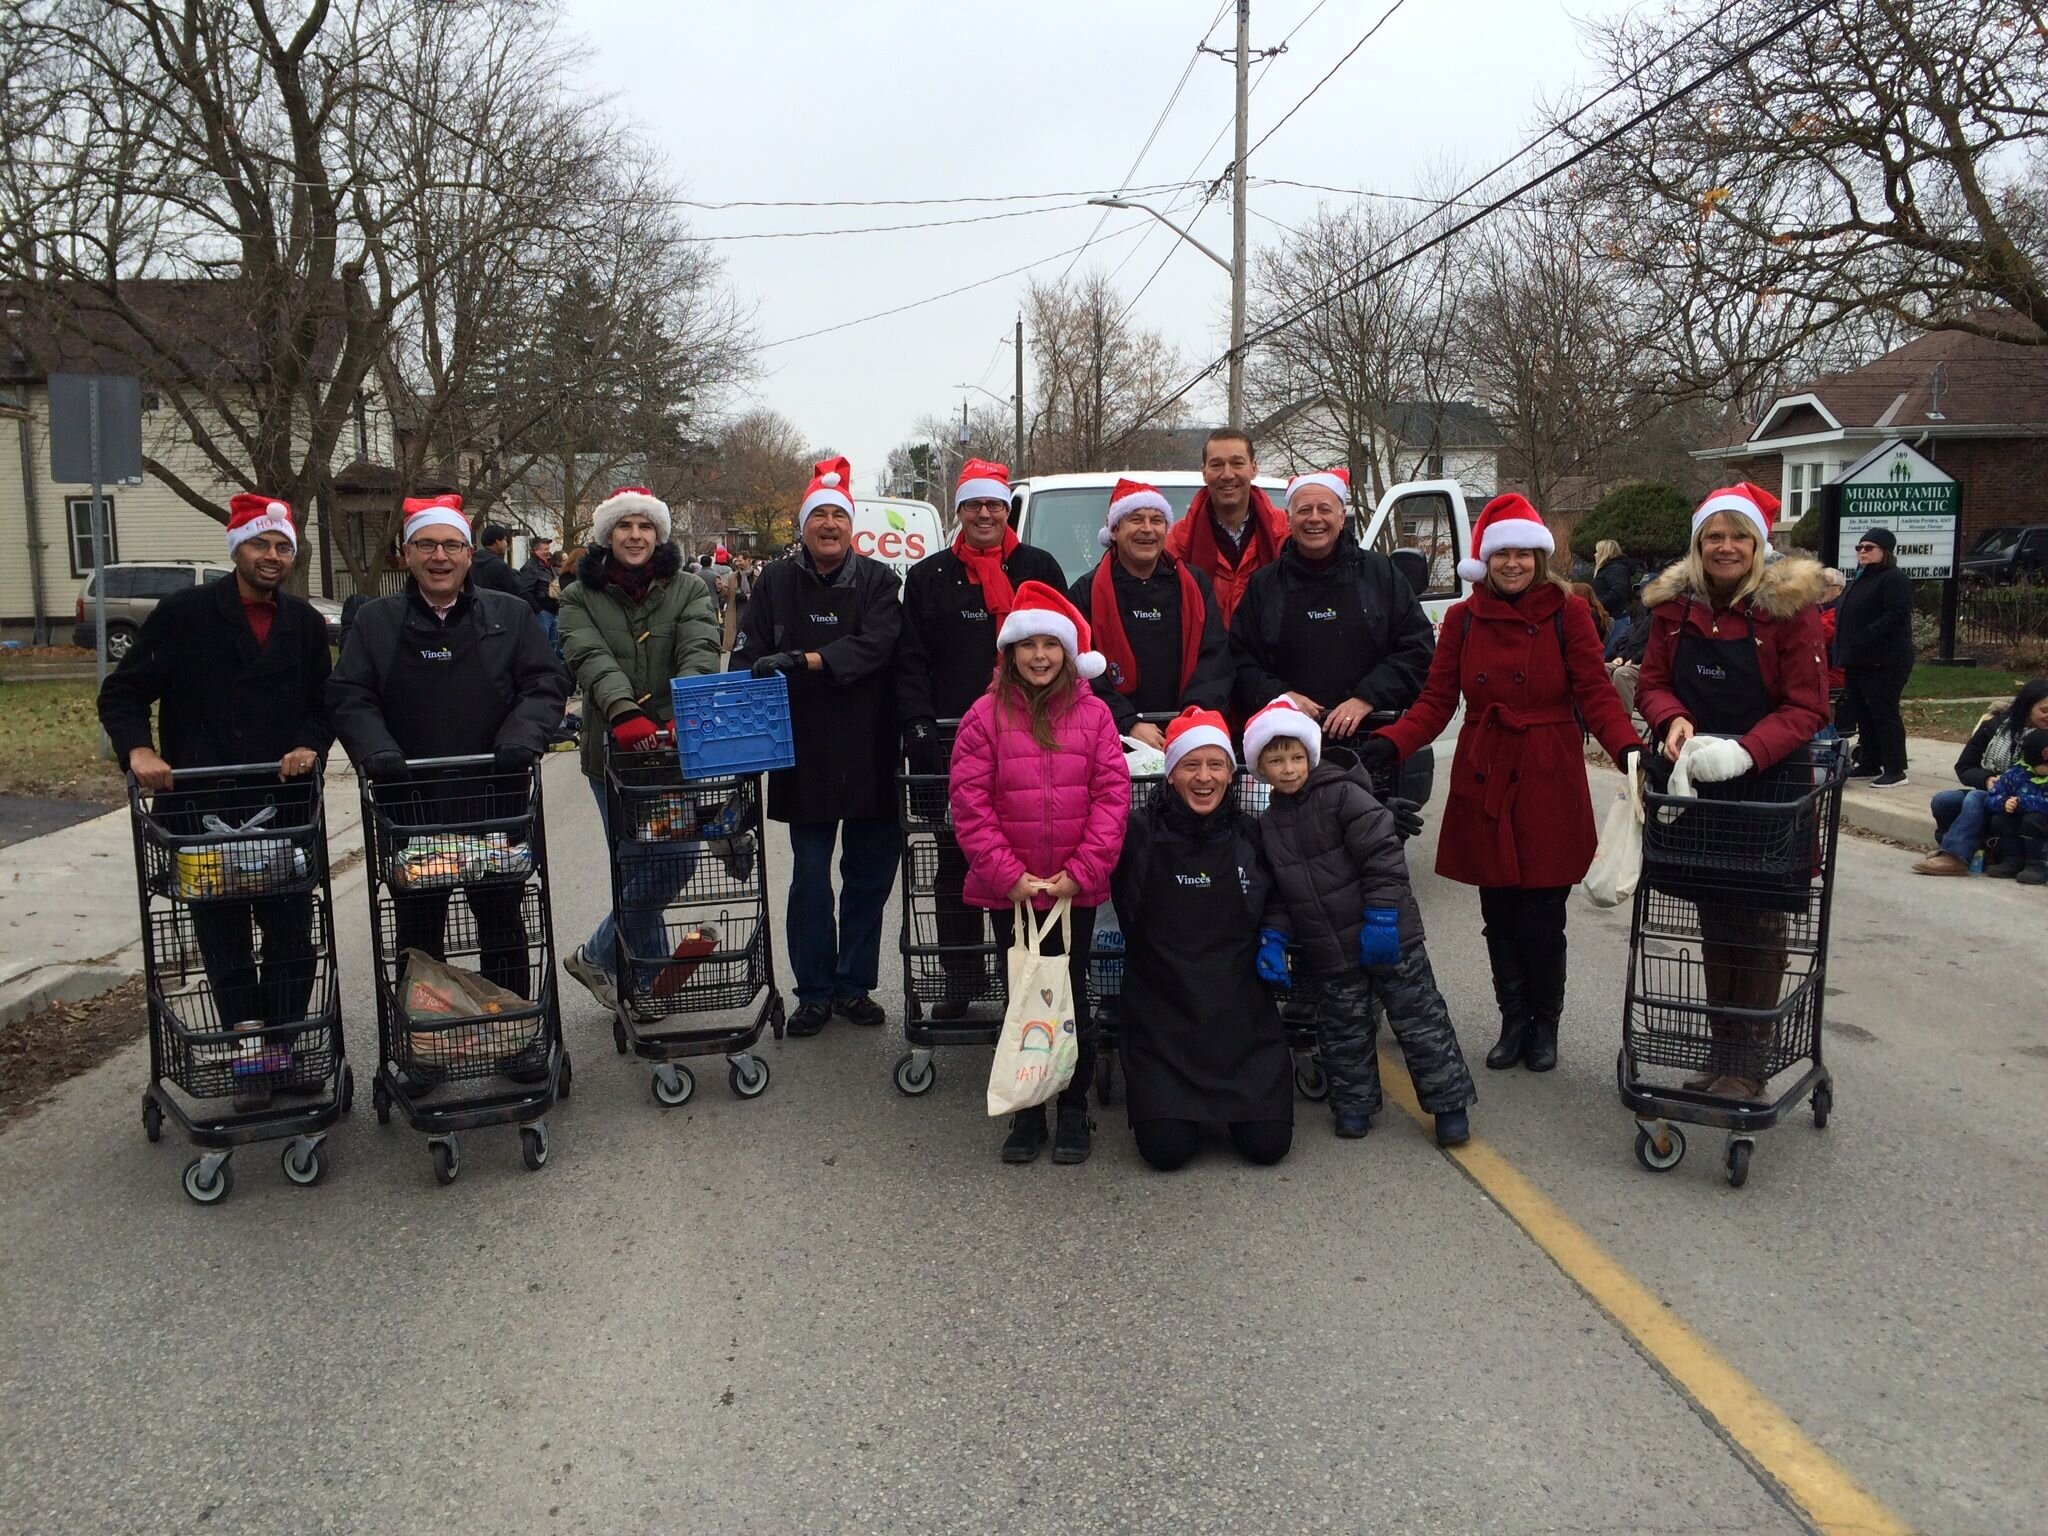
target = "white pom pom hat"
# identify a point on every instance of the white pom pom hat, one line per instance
(1744, 500)
(1338, 480)
(629, 501)
(1128, 497)
(250, 514)
(1196, 727)
(1508, 522)
(831, 486)
(423, 512)
(1282, 717)
(1044, 610)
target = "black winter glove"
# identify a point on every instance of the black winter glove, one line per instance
(1656, 771)
(384, 765)
(923, 748)
(1407, 817)
(1376, 754)
(513, 758)
(780, 661)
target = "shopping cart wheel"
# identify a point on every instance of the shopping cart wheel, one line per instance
(209, 1179)
(533, 1146)
(776, 1017)
(618, 1034)
(1739, 1148)
(152, 1119)
(1311, 1081)
(672, 1085)
(380, 1100)
(348, 1088)
(565, 1078)
(1105, 1079)
(1823, 1103)
(749, 1081)
(446, 1164)
(1651, 1158)
(305, 1161)
(914, 1080)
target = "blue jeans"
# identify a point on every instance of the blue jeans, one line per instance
(843, 960)
(552, 628)
(1960, 817)
(651, 875)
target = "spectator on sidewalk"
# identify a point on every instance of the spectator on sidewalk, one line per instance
(634, 620)
(1154, 617)
(237, 671)
(2019, 814)
(1874, 648)
(954, 604)
(829, 619)
(444, 669)
(1614, 577)
(492, 567)
(1232, 529)
(1961, 816)
(537, 577)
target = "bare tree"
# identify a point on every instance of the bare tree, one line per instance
(1097, 377)
(759, 473)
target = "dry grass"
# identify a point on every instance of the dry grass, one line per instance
(49, 743)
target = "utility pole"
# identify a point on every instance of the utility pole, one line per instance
(1017, 461)
(1237, 213)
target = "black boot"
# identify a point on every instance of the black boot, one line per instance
(1070, 1140)
(1545, 988)
(1508, 991)
(1027, 1135)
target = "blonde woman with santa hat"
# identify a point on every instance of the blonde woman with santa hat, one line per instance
(1199, 1037)
(1737, 653)
(1521, 654)
(1040, 796)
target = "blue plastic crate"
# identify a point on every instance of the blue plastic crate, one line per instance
(728, 723)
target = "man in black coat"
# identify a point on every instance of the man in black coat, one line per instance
(238, 671)
(1155, 619)
(442, 669)
(1333, 626)
(829, 619)
(492, 567)
(954, 601)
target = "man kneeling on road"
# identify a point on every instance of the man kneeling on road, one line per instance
(238, 670)
(442, 669)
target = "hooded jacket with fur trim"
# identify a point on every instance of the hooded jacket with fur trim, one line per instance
(1782, 619)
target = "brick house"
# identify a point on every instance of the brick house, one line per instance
(1975, 406)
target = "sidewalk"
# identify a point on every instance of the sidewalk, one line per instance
(1901, 814)
(67, 902)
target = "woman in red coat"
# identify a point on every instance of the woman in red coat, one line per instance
(1518, 820)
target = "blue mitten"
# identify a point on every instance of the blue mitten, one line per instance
(1273, 959)
(1379, 941)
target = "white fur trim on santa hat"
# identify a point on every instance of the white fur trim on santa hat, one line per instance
(629, 502)
(276, 518)
(1281, 718)
(1736, 502)
(829, 493)
(980, 490)
(1325, 479)
(438, 517)
(1124, 506)
(1179, 746)
(1506, 533)
(1024, 623)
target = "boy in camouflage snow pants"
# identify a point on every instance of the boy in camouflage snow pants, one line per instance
(1341, 894)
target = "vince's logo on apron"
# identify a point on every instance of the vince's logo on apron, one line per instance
(824, 618)
(446, 653)
(1321, 613)
(1712, 674)
(1244, 881)
(975, 614)
(1198, 881)
(1153, 614)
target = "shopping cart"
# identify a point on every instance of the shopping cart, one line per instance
(459, 871)
(689, 879)
(1728, 942)
(238, 967)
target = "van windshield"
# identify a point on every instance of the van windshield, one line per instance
(1064, 522)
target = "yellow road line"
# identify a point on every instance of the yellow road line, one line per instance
(1761, 1432)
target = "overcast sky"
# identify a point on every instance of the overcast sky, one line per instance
(819, 99)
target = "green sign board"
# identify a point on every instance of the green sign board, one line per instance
(1896, 487)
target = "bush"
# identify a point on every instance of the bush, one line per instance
(1651, 521)
(1805, 534)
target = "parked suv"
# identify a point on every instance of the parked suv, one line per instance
(135, 587)
(2007, 555)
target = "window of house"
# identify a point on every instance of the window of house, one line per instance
(78, 510)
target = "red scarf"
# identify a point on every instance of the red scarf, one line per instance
(1107, 624)
(1205, 554)
(985, 570)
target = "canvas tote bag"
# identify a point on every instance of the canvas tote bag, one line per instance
(1036, 1053)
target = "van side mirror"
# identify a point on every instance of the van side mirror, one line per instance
(1413, 564)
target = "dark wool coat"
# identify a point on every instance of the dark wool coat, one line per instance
(223, 698)
(1517, 811)
(1874, 620)
(948, 651)
(1334, 852)
(1783, 620)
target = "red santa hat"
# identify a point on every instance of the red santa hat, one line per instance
(1508, 522)
(629, 501)
(1196, 727)
(1744, 500)
(250, 513)
(424, 512)
(1044, 610)
(1279, 719)
(831, 486)
(1338, 480)
(982, 478)
(1128, 497)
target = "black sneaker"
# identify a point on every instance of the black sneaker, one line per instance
(862, 1010)
(1071, 1126)
(807, 1020)
(1027, 1136)
(1858, 771)
(1891, 780)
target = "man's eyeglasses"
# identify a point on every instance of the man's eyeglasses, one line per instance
(432, 547)
(986, 504)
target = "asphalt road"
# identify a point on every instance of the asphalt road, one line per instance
(832, 1309)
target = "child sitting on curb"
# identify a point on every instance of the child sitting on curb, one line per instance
(2019, 814)
(1341, 891)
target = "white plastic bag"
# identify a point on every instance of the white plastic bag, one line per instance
(1619, 862)
(1144, 762)
(1037, 1051)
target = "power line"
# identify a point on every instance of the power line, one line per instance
(1346, 59)
(878, 229)
(917, 202)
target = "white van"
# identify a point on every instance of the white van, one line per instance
(897, 531)
(1422, 525)
(1062, 514)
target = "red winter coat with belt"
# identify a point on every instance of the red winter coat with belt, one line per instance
(1517, 812)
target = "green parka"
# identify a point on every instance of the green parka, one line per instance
(623, 654)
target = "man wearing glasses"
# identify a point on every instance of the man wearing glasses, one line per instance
(443, 669)
(953, 604)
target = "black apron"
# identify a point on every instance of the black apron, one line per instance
(1199, 1035)
(1325, 641)
(844, 734)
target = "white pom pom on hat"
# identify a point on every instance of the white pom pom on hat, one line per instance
(1508, 522)
(1044, 610)
(633, 501)
(1282, 717)
(829, 479)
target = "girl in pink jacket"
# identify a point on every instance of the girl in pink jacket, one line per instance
(1040, 797)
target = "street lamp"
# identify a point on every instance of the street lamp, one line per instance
(1236, 271)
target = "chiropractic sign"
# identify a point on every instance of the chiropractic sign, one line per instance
(1895, 486)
